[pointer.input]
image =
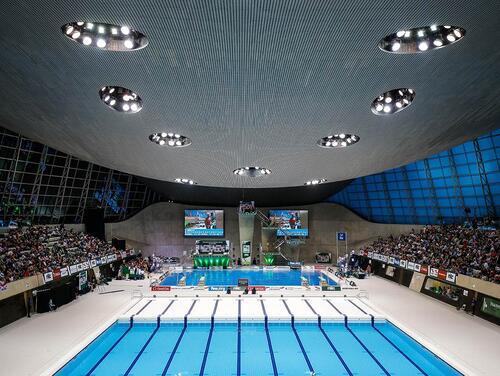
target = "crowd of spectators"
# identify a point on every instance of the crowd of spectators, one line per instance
(469, 250)
(26, 251)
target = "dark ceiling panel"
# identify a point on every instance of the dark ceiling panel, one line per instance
(251, 82)
(199, 195)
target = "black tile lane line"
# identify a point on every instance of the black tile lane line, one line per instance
(271, 352)
(209, 340)
(388, 340)
(238, 361)
(311, 369)
(360, 342)
(329, 340)
(118, 340)
(149, 339)
(172, 354)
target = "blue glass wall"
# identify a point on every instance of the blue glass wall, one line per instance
(433, 190)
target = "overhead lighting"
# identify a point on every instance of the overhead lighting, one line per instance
(169, 139)
(252, 171)
(122, 99)
(421, 39)
(399, 99)
(185, 181)
(315, 181)
(109, 37)
(338, 141)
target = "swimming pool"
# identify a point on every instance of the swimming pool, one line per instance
(255, 349)
(256, 277)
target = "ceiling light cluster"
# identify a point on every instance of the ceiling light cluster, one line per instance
(185, 181)
(170, 139)
(105, 36)
(341, 140)
(393, 101)
(120, 99)
(315, 181)
(421, 39)
(252, 172)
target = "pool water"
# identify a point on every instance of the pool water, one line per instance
(255, 349)
(256, 277)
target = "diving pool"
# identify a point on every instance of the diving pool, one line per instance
(255, 349)
(256, 277)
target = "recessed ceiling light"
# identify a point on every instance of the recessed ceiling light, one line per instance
(125, 40)
(185, 181)
(400, 99)
(338, 141)
(252, 171)
(315, 181)
(169, 139)
(117, 94)
(101, 43)
(421, 39)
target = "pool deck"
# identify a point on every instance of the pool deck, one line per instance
(47, 341)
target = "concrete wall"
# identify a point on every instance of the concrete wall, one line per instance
(159, 229)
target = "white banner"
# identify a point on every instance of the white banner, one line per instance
(451, 277)
(64, 271)
(410, 265)
(47, 277)
(402, 263)
(391, 260)
(93, 263)
(417, 268)
(73, 269)
(433, 272)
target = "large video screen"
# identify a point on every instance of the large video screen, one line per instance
(290, 222)
(201, 223)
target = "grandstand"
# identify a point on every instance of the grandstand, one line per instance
(239, 187)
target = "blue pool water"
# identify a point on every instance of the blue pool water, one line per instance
(256, 277)
(254, 349)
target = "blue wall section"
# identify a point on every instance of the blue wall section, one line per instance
(432, 190)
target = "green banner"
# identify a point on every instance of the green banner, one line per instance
(491, 307)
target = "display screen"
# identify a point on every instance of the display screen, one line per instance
(200, 223)
(290, 222)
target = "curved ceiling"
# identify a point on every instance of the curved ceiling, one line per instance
(251, 82)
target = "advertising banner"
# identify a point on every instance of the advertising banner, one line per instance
(160, 288)
(417, 267)
(370, 254)
(385, 258)
(396, 261)
(86, 265)
(442, 274)
(80, 267)
(257, 288)
(433, 272)
(56, 273)
(64, 272)
(451, 277)
(410, 265)
(104, 260)
(424, 269)
(246, 252)
(391, 260)
(491, 307)
(47, 277)
(402, 263)
(93, 263)
(73, 269)
(82, 280)
(110, 258)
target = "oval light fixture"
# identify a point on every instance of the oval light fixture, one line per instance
(393, 101)
(105, 36)
(120, 99)
(174, 140)
(252, 171)
(421, 39)
(338, 141)
(315, 181)
(185, 181)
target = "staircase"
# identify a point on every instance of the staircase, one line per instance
(281, 243)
